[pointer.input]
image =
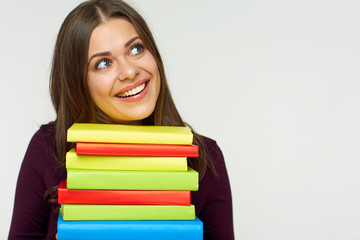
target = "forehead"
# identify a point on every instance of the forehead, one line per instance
(112, 33)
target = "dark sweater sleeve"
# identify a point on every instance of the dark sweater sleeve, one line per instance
(213, 202)
(31, 213)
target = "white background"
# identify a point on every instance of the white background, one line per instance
(276, 83)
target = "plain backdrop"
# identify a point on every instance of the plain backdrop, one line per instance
(275, 83)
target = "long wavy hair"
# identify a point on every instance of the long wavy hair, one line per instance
(68, 81)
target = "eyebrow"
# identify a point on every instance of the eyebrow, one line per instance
(107, 53)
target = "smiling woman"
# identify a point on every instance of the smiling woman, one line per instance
(107, 69)
(123, 77)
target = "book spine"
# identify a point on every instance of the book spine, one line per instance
(73, 212)
(119, 197)
(130, 230)
(131, 163)
(123, 149)
(132, 180)
(129, 134)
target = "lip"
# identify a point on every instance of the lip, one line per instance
(131, 86)
(137, 97)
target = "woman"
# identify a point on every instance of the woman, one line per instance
(107, 69)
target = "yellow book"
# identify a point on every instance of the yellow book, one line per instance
(116, 133)
(75, 161)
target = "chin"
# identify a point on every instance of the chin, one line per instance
(132, 118)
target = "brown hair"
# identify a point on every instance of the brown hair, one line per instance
(68, 85)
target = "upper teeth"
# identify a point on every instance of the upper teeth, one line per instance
(133, 91)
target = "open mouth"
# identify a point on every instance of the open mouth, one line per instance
(134, 91)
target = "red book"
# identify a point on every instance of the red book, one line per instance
(121, 197)
(128, 149)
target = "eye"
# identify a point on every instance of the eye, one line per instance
(103, 63)
(136, 49)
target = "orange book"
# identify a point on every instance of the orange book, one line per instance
(121, 197)
(128, 149)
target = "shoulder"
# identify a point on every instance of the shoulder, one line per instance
(39, 150)
(216, 168)
(43, 138)
(44, 134)
(214, 154)
(40, 160)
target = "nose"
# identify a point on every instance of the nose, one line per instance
(127, 70)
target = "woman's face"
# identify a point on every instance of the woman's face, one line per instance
(123, 77)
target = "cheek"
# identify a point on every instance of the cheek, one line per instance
(149, 64)
(158, 83)
(93, 88)
(98, 86)
(152, 68)
(90, 84)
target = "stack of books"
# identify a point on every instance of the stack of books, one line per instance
(128, 182)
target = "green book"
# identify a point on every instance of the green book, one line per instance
(75, 161)
(132, 180)
(73, 212)
(117, 133)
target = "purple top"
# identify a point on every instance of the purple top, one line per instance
(33, 218)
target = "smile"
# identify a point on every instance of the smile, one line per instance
(133, 92)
